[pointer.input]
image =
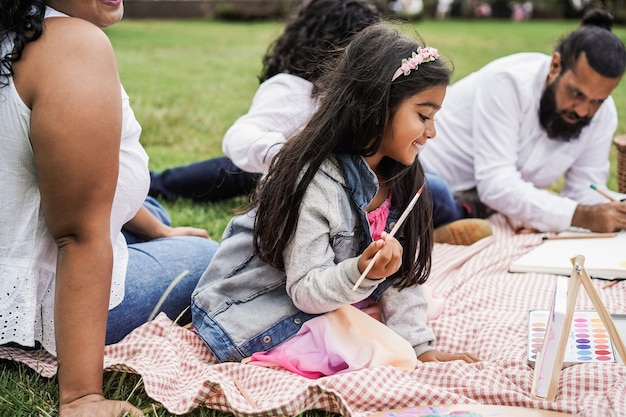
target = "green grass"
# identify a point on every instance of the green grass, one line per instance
(189, 80)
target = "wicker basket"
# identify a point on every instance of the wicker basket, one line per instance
(620, 143)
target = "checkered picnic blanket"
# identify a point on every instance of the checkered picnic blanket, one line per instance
(486, 313)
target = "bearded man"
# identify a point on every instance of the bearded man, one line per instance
(511, 129)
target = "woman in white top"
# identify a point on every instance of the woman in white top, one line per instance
(72, 175)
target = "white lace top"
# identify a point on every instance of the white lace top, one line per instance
(27, 251)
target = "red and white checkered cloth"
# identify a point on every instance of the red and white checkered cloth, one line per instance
(486, 313)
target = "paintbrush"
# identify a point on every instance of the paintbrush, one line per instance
(401, 220)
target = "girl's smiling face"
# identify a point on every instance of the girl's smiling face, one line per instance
(412, 125)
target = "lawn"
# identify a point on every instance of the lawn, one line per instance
(189, 80)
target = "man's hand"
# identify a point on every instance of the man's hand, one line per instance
(609, 217)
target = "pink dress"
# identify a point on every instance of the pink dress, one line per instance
(343, 340)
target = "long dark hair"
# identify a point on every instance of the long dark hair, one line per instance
(21, 21)
(357, 100)
(604, 50)
(313, 34)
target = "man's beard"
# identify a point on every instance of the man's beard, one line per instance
(552, 122)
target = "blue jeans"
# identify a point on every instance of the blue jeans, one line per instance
(209, 180)
(152, 266)
(445, 208)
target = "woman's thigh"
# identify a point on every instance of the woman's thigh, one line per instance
(153, 268)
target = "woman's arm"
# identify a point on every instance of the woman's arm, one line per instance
(69, 80)
(147, 227)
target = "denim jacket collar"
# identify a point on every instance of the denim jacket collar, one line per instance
(361, 181)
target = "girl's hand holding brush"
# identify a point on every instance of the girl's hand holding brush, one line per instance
(387, 252)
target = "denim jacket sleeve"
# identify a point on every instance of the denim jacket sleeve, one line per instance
(321, 260)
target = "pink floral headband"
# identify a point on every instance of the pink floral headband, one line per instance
(422, 55)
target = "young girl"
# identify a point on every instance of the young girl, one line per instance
(320, 214)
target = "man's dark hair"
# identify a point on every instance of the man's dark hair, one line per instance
(604, 50)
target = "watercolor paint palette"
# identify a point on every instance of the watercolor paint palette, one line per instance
(588, 340)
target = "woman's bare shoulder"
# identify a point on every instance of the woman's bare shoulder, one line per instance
(69, 50)
(70, 33)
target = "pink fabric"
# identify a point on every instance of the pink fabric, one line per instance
(436, 302)
(307, 353)
(378, 218)
(345, 340)
(486, 313)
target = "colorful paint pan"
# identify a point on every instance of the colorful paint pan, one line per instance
(588, 340)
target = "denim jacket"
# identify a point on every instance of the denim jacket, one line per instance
(242, 305)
